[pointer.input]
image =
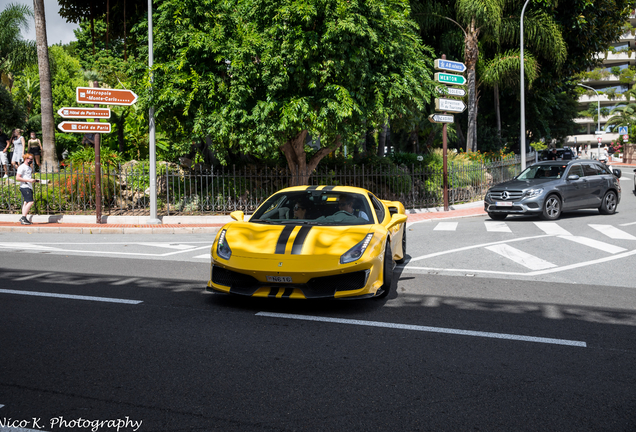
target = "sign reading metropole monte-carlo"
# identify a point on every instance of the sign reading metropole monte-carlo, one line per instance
(104, 96)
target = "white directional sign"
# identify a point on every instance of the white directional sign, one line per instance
(449, 65)
(441, 118)
(451, 105)
(452, 91)
(70, 112)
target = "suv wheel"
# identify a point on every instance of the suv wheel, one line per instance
(609, 203)
(552, 207)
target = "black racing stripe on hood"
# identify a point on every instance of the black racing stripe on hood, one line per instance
(299, 241)
(328, 188)
(282, 240)
(311, 188)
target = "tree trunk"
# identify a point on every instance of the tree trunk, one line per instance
(382, 141)
(414, 139)
(46, 95)
(497, 110)
(471, 55)
(294, 151)
(460, 136)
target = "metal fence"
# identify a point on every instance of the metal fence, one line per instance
(125, 189)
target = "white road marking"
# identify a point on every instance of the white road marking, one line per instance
(465, 248)
(125, 281)
(69, 296)
(168, 245)
(605, 247)
(534, 273)
(81, 252)
(530, 261)
(628, 224)
(612, 232)
(23, 246)
(203, 256)
(428, 329)
(446, 226)
(497, 227)
(551, 228)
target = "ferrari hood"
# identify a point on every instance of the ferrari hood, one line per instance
(256, 240)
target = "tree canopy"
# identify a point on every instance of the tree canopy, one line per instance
(260, 75)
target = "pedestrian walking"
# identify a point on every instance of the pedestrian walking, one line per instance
(24, 176)
(35, 148)
(19, 146)
(4, 153)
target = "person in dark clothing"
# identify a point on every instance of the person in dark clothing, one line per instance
(568, 154)
(4, 152)
(552, 155)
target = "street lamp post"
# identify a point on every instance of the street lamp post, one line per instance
(523, 96)
(151, 132)
(598, 115)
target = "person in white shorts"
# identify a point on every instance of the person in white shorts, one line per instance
(19, 145)
(26, 186)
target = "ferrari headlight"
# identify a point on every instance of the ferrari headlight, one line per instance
(533, 193)
(222, 248)
(357, 251)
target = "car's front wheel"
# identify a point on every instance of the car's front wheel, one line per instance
(608, 206)
(497, 216)
(387, 272)
(552, 207)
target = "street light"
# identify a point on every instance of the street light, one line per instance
(523, 97)
(598, 114)
(151, 132)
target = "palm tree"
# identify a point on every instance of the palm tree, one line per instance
(15, 53)
(46, 94)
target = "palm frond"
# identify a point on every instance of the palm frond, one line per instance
(503, 70)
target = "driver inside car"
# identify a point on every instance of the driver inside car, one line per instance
(346, 204)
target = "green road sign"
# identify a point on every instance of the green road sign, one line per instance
(446, 78)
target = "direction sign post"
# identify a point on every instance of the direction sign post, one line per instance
(441, 118)
(449, 65)
(84, 127)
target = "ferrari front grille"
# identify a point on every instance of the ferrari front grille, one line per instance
(231, 278)
(343, 282)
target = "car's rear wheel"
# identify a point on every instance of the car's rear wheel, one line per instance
(552, 207)
(608, 206)
(387, 278)
(401, 260)
(497, 216)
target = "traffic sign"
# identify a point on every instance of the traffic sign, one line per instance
(84, 127)
(599, 139)
(625, 137)
(452, 105)
(449, 65)
(102, 96)
(451, 91)
(69, 112)
(622, 130)
(447, 78)
(441, 118)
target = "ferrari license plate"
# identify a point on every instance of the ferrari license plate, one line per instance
(503, 204)
(279, 279)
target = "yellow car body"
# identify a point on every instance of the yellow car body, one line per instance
(332, 254)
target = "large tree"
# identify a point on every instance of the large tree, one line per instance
(46, 94)
(262, 75)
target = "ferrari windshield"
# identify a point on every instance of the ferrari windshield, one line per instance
(315, 207)
(542, 171)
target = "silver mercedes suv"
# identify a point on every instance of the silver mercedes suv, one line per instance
(551, 187)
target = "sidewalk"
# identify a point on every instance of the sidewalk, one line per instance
(73, 224)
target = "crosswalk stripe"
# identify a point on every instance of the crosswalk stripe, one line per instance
(612, 232)
(497, 227)
(605, 247)
(446, 226)
(529, 261)
(551, 228)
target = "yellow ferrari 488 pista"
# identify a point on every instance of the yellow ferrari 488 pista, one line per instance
(311, 242)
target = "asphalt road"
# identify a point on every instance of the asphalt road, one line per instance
(119, 328)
